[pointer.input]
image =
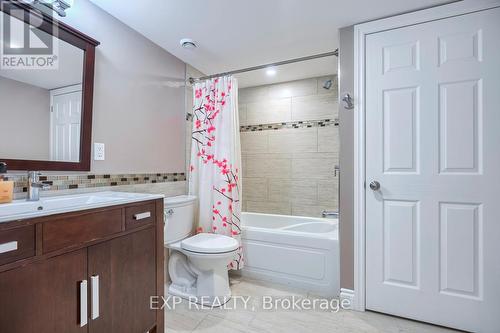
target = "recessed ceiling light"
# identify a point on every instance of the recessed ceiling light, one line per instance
(271, 71)
(188, 43)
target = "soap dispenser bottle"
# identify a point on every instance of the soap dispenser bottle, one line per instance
(6, 186)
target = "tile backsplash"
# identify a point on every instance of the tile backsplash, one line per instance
(73, 183)
(290, 147)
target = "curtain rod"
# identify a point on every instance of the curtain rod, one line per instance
(279, 63)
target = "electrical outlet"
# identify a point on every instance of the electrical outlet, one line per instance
(98, 151)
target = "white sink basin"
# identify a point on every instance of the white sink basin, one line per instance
(21, 209)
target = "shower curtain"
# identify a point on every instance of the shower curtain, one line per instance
(215, 168)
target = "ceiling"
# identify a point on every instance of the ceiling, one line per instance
(236, 34)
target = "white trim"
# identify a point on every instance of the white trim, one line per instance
(53, 93)
(360, 32)
(346, 297)
(66, 90)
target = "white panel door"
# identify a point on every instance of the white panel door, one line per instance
(433, 144)
(66, 120)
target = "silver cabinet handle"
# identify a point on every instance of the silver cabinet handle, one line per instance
(94, 289)
(375, 185)
(8, 247)
(83, 303)
(141, 216)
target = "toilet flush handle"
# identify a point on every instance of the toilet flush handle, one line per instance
(169, 213)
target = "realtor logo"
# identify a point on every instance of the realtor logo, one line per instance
(24, 45)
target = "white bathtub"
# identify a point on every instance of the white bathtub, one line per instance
(302, 252)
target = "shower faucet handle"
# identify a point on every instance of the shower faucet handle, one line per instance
(347, 99)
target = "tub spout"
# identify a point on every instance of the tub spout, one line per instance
(330, 213)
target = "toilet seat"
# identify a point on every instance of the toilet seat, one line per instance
(206, 243)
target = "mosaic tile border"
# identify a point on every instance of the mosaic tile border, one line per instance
(69, 182)
(292, 124)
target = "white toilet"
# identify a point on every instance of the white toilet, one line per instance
(197, 264)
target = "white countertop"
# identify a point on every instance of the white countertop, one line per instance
(22, 209)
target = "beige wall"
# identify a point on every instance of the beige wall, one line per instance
(194, 73)
(346, 224)
(289, 170)
(27, 107)
(139, 97)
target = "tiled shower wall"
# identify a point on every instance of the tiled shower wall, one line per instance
(289, 162)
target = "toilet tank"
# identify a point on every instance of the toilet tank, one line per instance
(179, 217)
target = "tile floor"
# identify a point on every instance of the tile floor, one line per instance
(255, 319)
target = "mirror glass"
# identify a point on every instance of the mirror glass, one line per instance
(40, 94)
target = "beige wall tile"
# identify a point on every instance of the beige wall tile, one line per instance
(255, 189)
(318, 168)
(242, 113)
(315, 155)
(270, 155)
(268, 207)
(253, 94)
(293, 140)
(311, 210)
(254, 142)
(290, 171)
(328, 139)
(268, 167)
(328, 191)
(294, 88)
(243, 165)
(314, 107)
(293, 190)
(270, 111)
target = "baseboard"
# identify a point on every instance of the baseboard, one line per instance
(346, 298)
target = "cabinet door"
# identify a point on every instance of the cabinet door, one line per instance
(44, 297)
(126, 271)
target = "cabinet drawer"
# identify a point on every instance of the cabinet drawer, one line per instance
(68, 231)
(140, 215)
(17, 244)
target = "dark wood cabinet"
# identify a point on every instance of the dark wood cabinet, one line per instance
(125, 268)
(43, 297)
(86, 272)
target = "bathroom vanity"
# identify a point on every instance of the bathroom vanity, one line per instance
(82, 263)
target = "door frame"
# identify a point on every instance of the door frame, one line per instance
(360, 33)
(53, 93)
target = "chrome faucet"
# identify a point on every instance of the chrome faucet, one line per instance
(331, 214)
(35, 185)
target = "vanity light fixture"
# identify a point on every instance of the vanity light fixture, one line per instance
(58, 6)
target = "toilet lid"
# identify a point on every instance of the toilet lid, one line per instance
(209, 243)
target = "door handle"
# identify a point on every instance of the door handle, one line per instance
(83, 303)
(94, 289)
(375, 185)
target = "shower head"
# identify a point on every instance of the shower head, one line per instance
(327, 85)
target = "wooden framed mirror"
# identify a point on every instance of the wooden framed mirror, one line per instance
(46, 91)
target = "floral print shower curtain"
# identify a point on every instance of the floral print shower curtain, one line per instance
(215, 168)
